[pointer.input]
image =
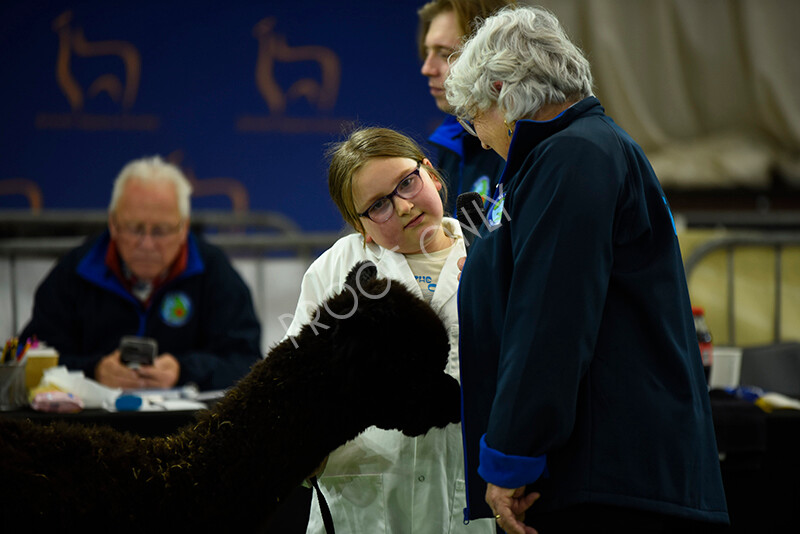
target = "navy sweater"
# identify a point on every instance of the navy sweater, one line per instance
(204, 317)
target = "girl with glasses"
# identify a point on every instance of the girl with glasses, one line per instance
(387, 190)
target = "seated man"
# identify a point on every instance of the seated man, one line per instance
(149, 276)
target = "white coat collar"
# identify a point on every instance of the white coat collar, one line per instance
(394, 265)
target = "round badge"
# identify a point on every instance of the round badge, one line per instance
(481, 185)
(176, 308)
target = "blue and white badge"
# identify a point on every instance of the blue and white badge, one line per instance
(496, 209)
(176, 308)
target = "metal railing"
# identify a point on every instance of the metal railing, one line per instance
(52, 233)
(258, 235)
(777, 241)
(58, 222)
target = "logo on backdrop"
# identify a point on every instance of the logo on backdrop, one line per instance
(24, 187)
(233, 189)
(120, 86)
(176, 308)
(320, 93)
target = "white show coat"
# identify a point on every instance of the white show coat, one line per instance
(383, 481)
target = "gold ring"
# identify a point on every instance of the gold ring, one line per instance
(497, 516)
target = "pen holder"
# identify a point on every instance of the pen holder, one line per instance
(13, 393)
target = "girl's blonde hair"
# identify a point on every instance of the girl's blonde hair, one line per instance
(362, 146)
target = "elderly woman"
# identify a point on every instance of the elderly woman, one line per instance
(574, 301)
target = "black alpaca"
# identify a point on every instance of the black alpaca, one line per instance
(348, 369)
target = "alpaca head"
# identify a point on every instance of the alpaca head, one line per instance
(392, 349)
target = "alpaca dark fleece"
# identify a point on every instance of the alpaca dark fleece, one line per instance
(348, 369)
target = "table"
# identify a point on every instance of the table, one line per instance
(760, 461)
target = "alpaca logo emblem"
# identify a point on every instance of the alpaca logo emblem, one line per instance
(231, 188)
(176, 308)
(273, 48)
(25, 187)
(72, 43)
(321, 94)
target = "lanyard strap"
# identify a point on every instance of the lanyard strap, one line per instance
(327, 519)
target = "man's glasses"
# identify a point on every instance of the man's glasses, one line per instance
(158, 232)
(381, 210)
(467, 125)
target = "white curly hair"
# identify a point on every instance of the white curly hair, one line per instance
(526, 49)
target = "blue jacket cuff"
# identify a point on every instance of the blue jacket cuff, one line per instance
(508, 471)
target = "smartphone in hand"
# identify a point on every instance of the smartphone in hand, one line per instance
(136, 351)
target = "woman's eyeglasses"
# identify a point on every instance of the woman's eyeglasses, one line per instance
(381, 210)
(467, 125)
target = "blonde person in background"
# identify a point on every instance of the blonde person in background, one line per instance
(463, 165)
(383, 481)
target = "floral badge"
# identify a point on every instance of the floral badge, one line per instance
(176, 308)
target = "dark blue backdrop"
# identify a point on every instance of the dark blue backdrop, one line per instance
(211, 79)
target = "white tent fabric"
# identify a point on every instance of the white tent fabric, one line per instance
(709, 88)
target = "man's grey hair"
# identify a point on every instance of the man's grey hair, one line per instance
(153, 169)
(526, 49)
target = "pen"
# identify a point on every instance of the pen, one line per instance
(24, 349)
(9, 351)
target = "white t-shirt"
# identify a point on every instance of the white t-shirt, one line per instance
(426, 267)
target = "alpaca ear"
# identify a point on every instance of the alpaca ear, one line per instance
(361, 273)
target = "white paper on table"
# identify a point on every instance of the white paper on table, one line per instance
(92, 393)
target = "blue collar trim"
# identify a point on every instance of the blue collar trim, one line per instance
(94, 269)
(448, 135)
